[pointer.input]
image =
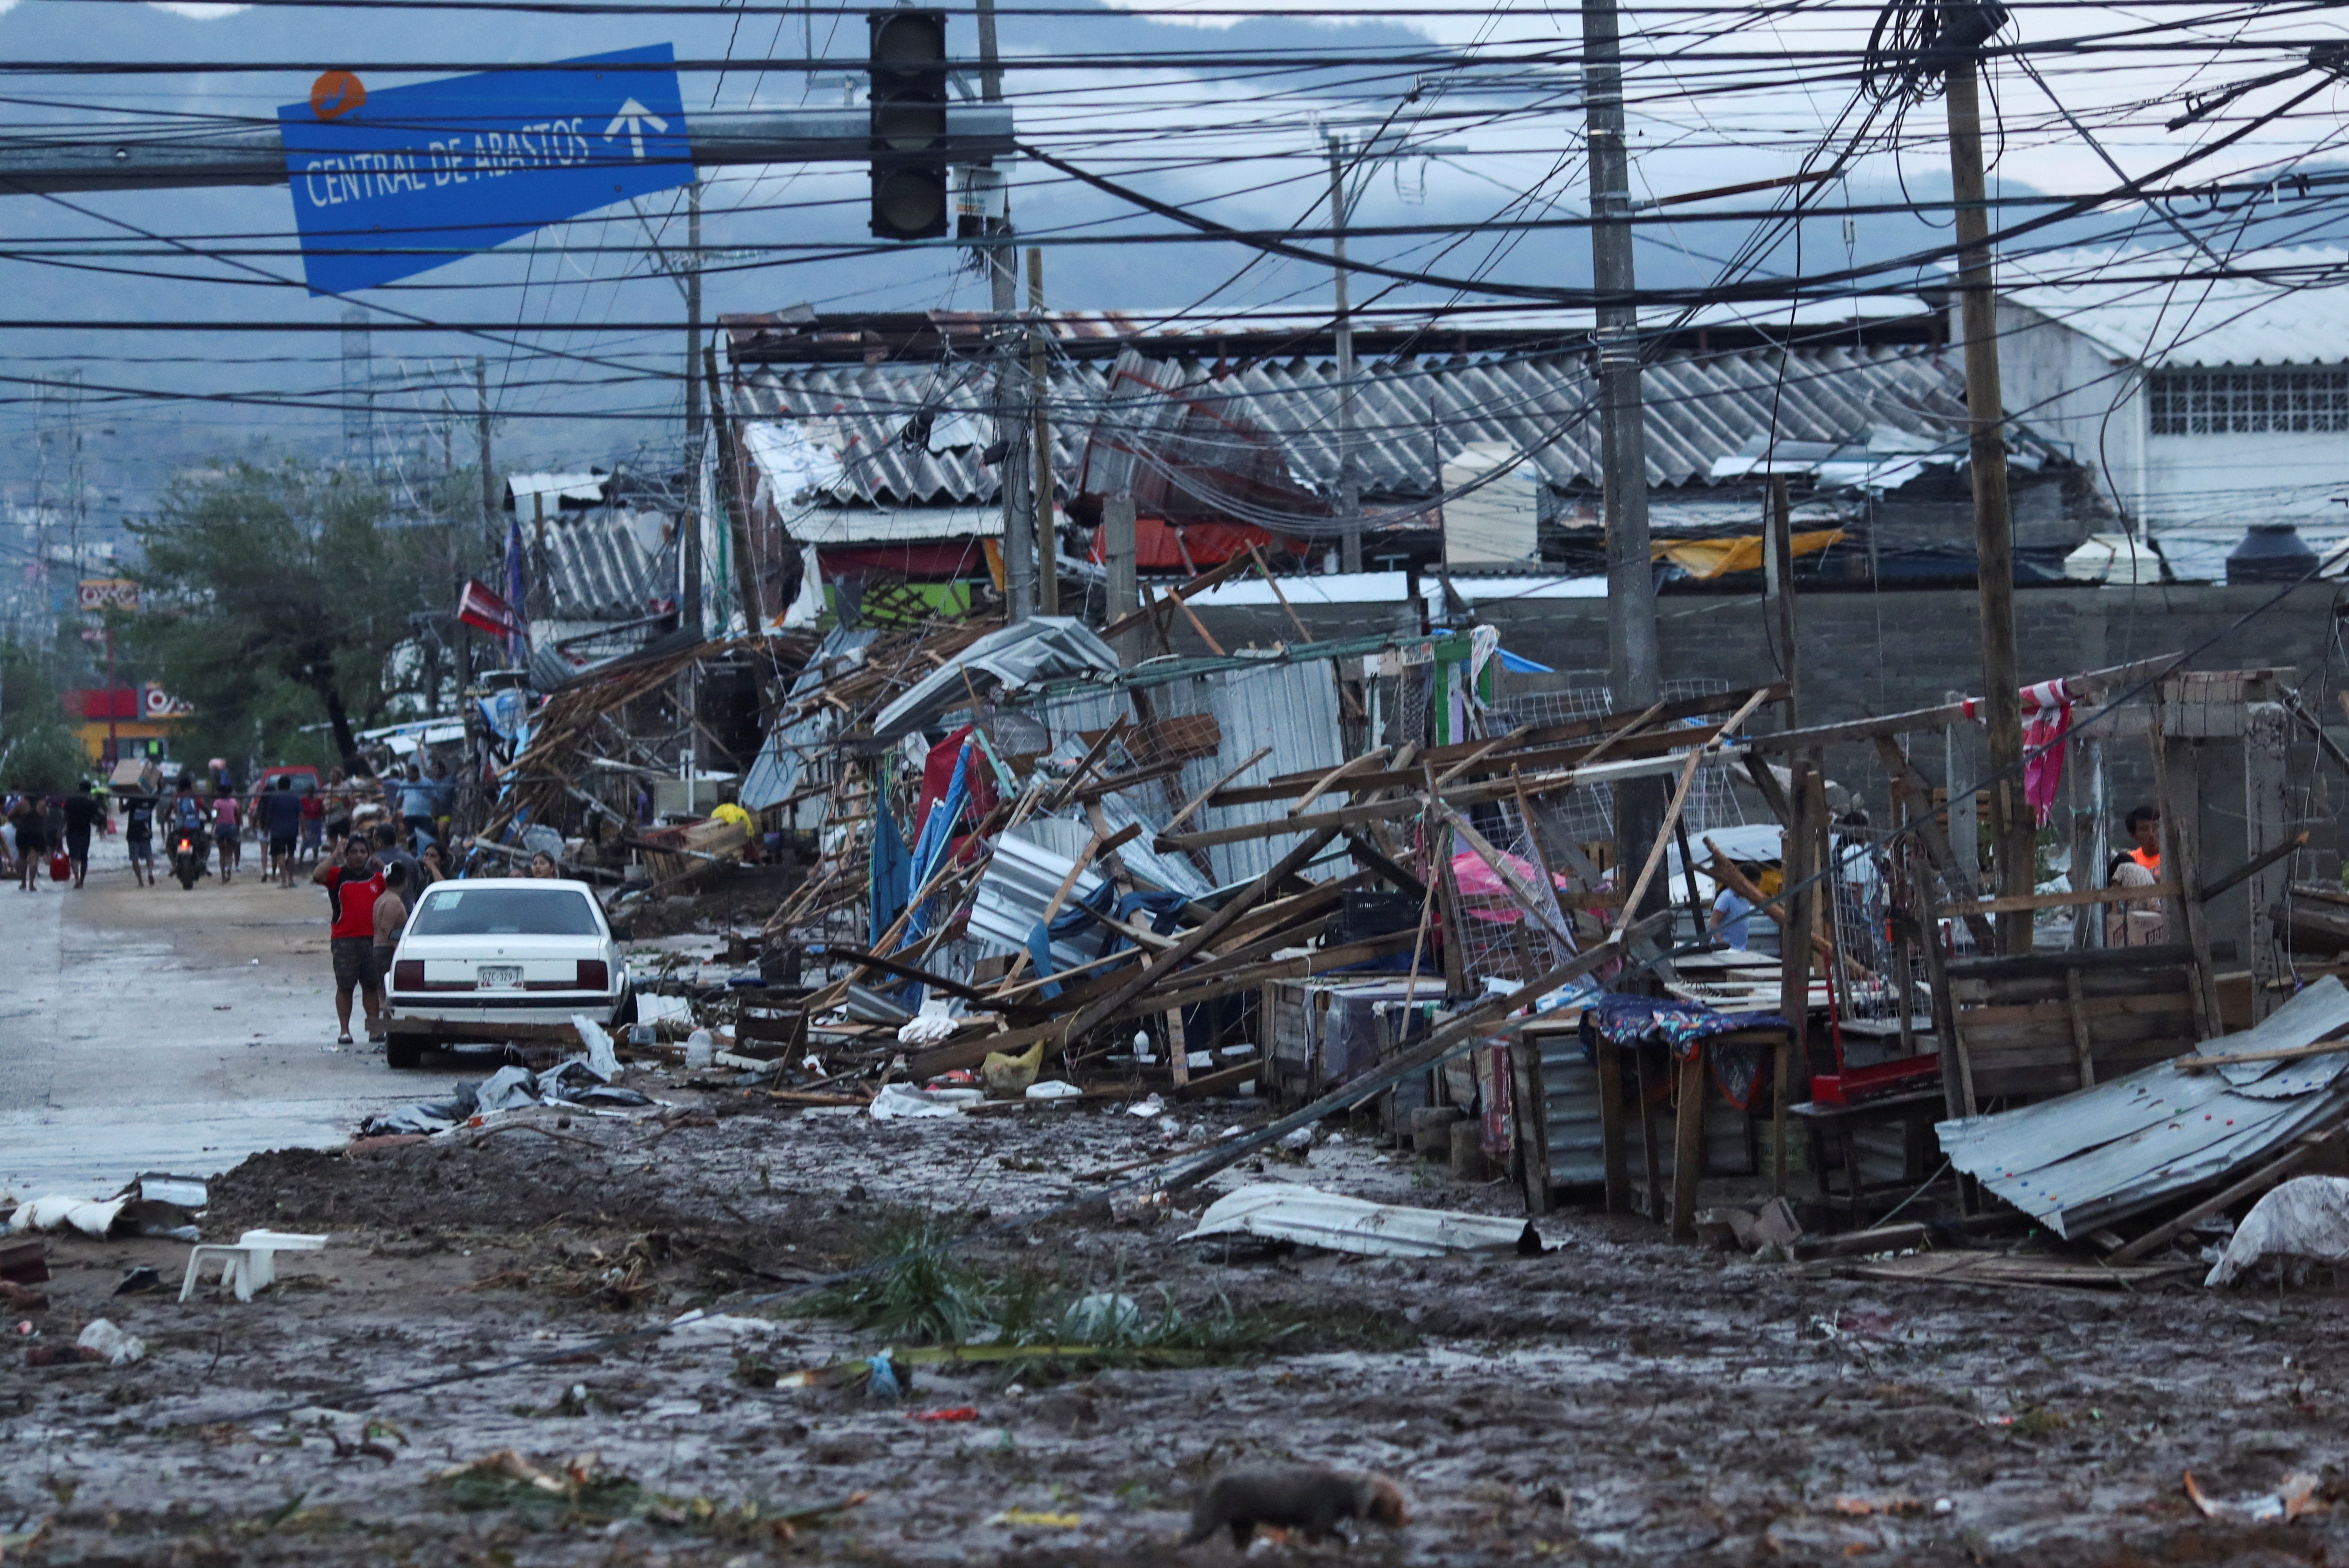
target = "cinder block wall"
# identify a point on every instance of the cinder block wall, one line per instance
(1869, 653)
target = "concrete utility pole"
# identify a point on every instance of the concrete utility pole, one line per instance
(1047, 552)
(1002, 261)
(1778, 589)
(488, 479)
(2009, 820)
(1350, 491)
(1632, 660)
(689, 547)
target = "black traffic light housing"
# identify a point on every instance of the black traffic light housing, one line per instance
(907, 60)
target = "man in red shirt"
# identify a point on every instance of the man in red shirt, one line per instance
(353, 884)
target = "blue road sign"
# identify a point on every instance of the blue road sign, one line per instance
(392, 183)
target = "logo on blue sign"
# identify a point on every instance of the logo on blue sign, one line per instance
(393, 182)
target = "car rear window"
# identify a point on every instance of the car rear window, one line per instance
(505, 912)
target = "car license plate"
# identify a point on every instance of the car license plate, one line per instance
(497, 977)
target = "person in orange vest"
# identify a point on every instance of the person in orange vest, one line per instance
(2144, 830)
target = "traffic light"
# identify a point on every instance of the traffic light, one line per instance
(908, 65)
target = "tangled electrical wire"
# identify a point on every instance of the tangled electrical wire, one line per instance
(1915, 43)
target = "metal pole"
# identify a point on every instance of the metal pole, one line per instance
(1350, 497)
(2010, 825)
(489, 481)
(1048, 555)
(1632, 654)
(690, 546)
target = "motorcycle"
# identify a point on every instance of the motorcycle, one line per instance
(191, 854)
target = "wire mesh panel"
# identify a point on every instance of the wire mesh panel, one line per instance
(1586, 816)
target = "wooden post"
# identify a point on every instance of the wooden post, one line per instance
(1798, 866)
(1688, 1145)
(2179, 802)
(1651, 1156)
(1532, 1117)
(2010, 824)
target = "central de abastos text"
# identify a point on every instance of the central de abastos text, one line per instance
(330, 181)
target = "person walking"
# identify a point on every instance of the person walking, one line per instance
(83, 812)
(337, 810)
(416, 808)
(353, 884)
(314, 824)
(139, 835)
(228, 817)
(30, 814)
(391, 920)
(281, 819)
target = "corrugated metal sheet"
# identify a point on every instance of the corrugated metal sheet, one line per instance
(1020, 878)
(2086, 1159)
(1412, 415)
(775, 773)
(1293, 708)
(1280, 1211)
(2292, 313)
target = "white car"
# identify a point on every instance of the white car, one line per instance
(477, 957)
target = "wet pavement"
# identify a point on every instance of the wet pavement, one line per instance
(170, 1029)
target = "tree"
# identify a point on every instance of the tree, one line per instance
(260, 578)
(38, 748)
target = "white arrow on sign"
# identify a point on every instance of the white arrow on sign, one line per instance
(634, 115)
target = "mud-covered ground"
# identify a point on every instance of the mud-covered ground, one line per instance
(1614, 1399)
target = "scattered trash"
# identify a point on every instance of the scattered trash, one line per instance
(1280, 1211)
(1105, 1314)
(1018, 1518)
(251, 1264)
(1009, 1077)
(2294, 1496)
(928, 1029)
(2306, 1217)
(883, 1382)
(1054, 1089)
(59, 1212)
(23, 1298)
(954, 1413)
(1150, 1105)
(898, 1100)
(140, 1280)
(1310, 1499)
(700, 1049)
(111, 1344)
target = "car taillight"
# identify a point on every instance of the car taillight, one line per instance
(594, 974)
(408, 974)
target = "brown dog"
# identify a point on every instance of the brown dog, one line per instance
(1307, 1498)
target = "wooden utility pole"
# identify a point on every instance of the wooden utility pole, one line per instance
(1632, 659)
(1047, 555)
(2012, 829)
(729, 491)
(1778, 590)
(1118, 525)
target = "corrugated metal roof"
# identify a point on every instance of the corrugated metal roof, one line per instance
(579, 490)
(1411, 415)
(2086, 1159)
(596, 567)
(2293, 312)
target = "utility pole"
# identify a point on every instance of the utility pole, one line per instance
(1778, 589)
(1002, 261)
(689, 547)
(1047, 552)
(2010, 821)
(1632, 674)
(488, 479)
(1349, 493)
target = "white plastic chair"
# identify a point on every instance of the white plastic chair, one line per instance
(251, 1264)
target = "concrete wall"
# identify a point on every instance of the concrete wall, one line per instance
(1873, 653)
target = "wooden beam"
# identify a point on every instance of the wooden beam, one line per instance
(1672, 811)
(2090, 685)
(1201, 798)
(1688, 1145)
(2306, 1150)
(2015, 904)
(2248, 869)
(1368, 759)
(2332, 1045)
(1199, 585)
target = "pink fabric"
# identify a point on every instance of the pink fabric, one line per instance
(1477, 879)
(2047, 709)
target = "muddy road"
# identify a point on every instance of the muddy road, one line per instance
(1614, 1399)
